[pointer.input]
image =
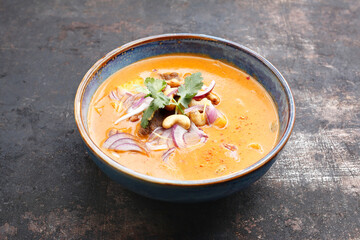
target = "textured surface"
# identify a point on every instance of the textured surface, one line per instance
(49, 188)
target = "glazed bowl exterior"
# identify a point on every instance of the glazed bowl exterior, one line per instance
(216, 48)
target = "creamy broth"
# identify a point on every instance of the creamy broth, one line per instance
(252, 120)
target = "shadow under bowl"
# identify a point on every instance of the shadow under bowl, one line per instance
(216, 48)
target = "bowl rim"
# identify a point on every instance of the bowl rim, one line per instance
(184, 183)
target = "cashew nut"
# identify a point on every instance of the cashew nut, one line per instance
(213, 98)
(171, 120)
(167, 91)
(203, 101)
(173, 82)
(197, 118)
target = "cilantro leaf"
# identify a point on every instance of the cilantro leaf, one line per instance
(141, 89)
(148, 114)
(189, 89)
(186, 92)
(155, 87)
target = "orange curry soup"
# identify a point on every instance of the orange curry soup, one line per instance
(251, 129)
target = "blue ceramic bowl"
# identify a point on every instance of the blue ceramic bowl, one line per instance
(217, 48)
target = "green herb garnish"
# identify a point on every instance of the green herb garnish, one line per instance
(141, 89)
(188, 90)
(155, 87)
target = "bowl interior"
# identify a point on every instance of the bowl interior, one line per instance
(220, 49)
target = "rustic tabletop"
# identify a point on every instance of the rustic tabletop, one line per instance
(50, 188)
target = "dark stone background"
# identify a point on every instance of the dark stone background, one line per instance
(50, 188)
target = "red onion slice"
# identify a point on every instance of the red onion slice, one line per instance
(170, 141)
(204, 93)
(114, 96)
(156, 133)
(201, 133)
(156, 147)
(172, 92)
(230, 147)
(139, 102)
(130, 147)
(129, 100)
(194, 108)
(122, 91)
(115, 137)
(178, 136)
(211, 114)
(122, 141)
(160, 139)
(118, 94)
(166, 88)
(191, 138)
(167, 154)
(166, 138)
(138, 110)
(194, 136)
